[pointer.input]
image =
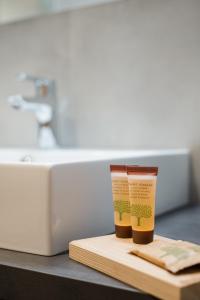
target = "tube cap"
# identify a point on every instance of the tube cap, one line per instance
(123, 232)
(142, 237)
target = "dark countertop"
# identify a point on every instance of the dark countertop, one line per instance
(26, 276)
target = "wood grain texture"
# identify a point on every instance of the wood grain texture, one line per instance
(110, 255)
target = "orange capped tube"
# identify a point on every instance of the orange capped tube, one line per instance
(120, 192)
(142, 194)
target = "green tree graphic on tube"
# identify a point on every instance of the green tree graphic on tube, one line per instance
(141, 211)
(121, 207)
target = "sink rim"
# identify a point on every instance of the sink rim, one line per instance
(96, 155)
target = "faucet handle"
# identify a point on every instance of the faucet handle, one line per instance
(41, 84)
(37, 80)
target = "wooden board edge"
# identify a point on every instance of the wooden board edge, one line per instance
(162, 289)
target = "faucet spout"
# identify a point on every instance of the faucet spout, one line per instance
(43, 105)
(43, 113)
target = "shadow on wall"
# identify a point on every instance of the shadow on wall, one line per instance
(66, 125)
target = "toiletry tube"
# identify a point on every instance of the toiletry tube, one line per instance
(121, 203)
(142, 193)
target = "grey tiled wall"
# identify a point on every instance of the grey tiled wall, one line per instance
(127, 74)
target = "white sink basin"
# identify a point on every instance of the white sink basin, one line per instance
(48, 198)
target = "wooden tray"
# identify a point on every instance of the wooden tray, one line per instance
(110, 255)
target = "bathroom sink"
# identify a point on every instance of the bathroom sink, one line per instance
(49, 197)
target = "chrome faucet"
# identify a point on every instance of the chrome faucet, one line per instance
(43, 105)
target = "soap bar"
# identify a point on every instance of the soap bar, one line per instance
(172, 255)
